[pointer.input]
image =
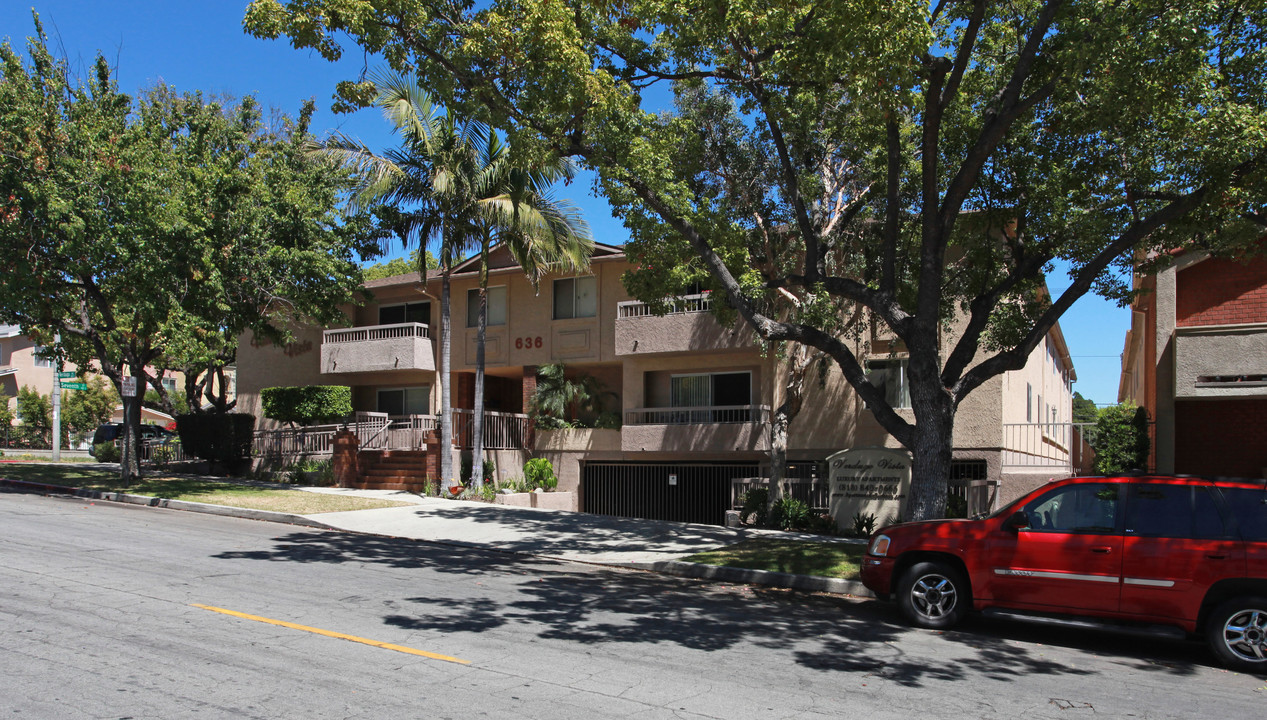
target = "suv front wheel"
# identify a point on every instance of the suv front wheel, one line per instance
(933, 595)
(1237, 633)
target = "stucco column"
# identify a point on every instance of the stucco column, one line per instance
(1167, 287)
(529, 388)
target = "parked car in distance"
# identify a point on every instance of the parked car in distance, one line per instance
(1150, 553)
(111, 432)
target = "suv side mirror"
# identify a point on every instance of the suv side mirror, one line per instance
(1016, 521)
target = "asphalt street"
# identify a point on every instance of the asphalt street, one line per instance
(116, 611)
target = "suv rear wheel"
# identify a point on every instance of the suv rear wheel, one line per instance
(1237, 633)
(933, 595)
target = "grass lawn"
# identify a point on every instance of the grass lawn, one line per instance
(215, 492)
(825, 559)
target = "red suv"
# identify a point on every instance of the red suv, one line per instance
(1184, 553)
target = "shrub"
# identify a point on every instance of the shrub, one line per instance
(863, 525)
(539, 473)
(307, 404)
(515, 485)
(106, 452)
(490, 469)
(755, 502)
(789, 513)
(1121, 439)
(224, 439)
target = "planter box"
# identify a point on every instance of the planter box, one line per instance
(545, 501)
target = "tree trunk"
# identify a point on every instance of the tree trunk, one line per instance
(477, 419)
(446, 398)
(931, 452)
(130, 458)
(778, 454)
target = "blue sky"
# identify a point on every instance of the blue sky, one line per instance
(201, 46)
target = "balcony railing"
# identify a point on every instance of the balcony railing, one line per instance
(376, 332)
(678, 305)
(698, 415)
(501, 431)
(1062, 447)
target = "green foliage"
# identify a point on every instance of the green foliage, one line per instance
(311, 471)
(6, 414)
(576, 401)
(755, 501)
(36, 414)
(84, 410)
(398, 266)
(863, 525)
(539, 473)
(153, 231)
(1121, 439)
(177, 402)
(922, 161)
(789, 513)
(307, 404)
(489, 468)
(221, 439)
(1084, 410)
(106, 452)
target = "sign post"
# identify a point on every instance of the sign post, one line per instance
(129, 398)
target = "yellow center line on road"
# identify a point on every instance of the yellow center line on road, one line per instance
(331, 633)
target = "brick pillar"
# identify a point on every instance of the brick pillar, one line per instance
(529, 387)
(465, 395)
(345, 458)
(431, 467)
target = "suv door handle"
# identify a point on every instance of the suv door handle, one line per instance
(1102, 549)
(1217, 557)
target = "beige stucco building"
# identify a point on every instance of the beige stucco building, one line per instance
(694, 398)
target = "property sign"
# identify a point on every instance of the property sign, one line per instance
(868, 481)
(672, 478)
(64, 374)
(74, 386)
(129, 387)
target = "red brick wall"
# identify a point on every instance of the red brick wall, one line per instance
(1222, 292)
(1221, 437)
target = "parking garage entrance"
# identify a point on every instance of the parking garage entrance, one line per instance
(679, 492)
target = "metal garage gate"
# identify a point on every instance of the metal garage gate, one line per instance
(701, 493)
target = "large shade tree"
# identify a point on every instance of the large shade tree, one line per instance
(455, 180)
(150, 232)
(988, 139)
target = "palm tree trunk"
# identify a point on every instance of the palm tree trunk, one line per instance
(446, 399)
(477, 420)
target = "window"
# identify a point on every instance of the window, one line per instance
(43, 356)
(414, 312)
(405, 401)
(1177, 511)
(575, 298)
(169, 384)
(1086, 508)
(1249, 509)
(496, 306)
(713, 391)
(890, 377)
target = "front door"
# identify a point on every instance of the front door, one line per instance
(1070, 558)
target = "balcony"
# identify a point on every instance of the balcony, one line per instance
(1215, 361)
(687, 327)
(715, 429)
(405, 346)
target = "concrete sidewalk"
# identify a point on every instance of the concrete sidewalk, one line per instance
(555, 534)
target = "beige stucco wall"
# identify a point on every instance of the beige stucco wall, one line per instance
(681, 332)
(262, 364)
(1220, 350)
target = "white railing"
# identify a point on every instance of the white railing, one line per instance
(702, 302)
(502, 431)
(371, 429)
(1060, 447)
(698, 415)
(376, 332)
(309, 440)
(409, 432)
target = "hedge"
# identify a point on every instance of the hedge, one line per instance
(307, 404)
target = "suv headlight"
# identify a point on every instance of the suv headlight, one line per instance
(879, 546)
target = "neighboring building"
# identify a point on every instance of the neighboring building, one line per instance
(1196, 359)
(694, 397)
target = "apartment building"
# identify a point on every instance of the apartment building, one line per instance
(1196, 358)
(694, 398)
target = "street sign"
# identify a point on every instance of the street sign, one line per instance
(74, 386)
(66, 374)
(129, 386)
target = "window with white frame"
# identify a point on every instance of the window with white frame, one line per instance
(575, 298)
(414, 312)
(496, 306)
(890, 377)
(43, 356)
(405, 401)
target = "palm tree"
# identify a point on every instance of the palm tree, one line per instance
(456, 182)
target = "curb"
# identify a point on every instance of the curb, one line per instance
(186, 505)
(715, 573)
